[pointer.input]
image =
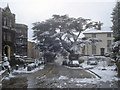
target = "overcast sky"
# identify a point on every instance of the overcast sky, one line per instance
(30, 11)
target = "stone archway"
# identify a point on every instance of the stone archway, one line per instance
(7, 51)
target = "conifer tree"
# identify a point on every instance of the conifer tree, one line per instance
(116, 33)
(116, 21)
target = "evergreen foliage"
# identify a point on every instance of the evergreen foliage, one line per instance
(116, 21)
(116, 32)
(61, 33)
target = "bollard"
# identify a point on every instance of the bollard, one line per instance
(39, 64)
(35, 66)
(28, 68)
(17, 67)
(9, 69)
(24, 66)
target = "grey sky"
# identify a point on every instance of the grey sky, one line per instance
(30, 11)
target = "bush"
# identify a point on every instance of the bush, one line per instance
(81, 61)
(49, 57)
(73, 56)
(15, 61)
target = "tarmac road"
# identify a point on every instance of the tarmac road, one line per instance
(55, 76)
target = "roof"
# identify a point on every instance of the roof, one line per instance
(7, 8)
(103, 30)
(21, 25)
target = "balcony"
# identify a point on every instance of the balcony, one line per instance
(22, 37)
(8, 28)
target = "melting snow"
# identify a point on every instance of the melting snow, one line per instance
(2, 71)
(73, 67)
(106, 75)
(21, 70)
(63, 77)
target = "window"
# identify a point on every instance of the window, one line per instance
(93, 49)
(109, 35)
(4, 36)
(109, 43)
(10, 23)
(8, 36)
(93, 35)
(5, 21)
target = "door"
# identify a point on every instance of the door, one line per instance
(7, 51)
(102, 50)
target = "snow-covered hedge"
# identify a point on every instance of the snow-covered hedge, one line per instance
(116, 49)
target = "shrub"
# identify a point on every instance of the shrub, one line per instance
(81, 61)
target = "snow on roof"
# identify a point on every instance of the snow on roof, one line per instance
(103, 30)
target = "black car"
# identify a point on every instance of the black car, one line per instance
(65, 62)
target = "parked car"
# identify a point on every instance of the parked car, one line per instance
(65, 62)
(74, 63)
(91, 57)
(92, 62)
(74, 56)
(107, 54)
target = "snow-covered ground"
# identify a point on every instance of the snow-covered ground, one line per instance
(107, 73)
(2, 71)
(63, 77)
(22, 70)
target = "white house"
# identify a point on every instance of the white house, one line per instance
(100, 48)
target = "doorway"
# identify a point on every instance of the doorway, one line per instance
(102, 50)
(7, 51)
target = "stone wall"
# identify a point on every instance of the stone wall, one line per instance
(32, 52)
(21, 39)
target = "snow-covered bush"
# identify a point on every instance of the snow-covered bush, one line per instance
(116, 53)
(116, 49)
(81, 61)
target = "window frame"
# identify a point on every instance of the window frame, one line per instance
(108, 34)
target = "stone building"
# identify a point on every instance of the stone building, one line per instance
(14, 36)
(8, 32)
(21, 39)
(100, 48)
(32, 51)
